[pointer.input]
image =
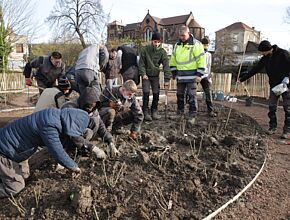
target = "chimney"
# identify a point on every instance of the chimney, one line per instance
(253, 28)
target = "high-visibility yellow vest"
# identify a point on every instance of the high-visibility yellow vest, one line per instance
(188, 59)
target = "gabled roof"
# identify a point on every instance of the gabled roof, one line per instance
(116, 23)
(237, 26)
(181, 19)
(175, 20)
(193, 23)
(157, 20)
(131, 26)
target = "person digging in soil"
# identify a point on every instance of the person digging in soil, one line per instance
(21, 138)
(187, 64)
(150, 59)
(88, 101)
(49, 69)
(120, 107)
(54, 97)
(276, 61)
(206, 79)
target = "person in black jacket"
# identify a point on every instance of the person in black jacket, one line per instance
(128, 60)
(276, 61)
(49, 69)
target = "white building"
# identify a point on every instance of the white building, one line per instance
(16, 59)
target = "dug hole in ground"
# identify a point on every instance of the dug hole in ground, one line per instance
(173, 171)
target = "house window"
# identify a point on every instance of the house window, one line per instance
(147, 35)
(235, 48)
(19, 48)
(235, 37)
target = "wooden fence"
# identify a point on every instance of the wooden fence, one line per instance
(11, 82)
(257, 85)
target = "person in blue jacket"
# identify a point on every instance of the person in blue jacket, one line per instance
(20, 139)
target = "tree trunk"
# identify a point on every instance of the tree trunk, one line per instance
(82, 39)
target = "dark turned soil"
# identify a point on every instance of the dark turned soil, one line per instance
(174, 171)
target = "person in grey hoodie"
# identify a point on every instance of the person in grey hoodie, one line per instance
(91, 60)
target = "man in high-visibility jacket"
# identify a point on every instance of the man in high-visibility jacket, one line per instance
(187, 65)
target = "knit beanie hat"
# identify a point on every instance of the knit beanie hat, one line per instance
(156, 36)
(264, 46)
(205, 40)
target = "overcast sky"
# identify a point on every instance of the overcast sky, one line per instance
(265, 15)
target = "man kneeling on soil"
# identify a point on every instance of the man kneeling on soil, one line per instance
(21, 138)
(120, 107)
(88, 102)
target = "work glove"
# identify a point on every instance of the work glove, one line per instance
(76, 170)
(285, 80)
(99, 153)
(133, 135)
(115, 105)
(28, 82)
(166, 86)
(280, 89)
(112, 151)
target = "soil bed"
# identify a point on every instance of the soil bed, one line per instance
(174, 171)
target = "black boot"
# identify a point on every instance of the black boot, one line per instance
(154, 106)
(273, 118)
(145, 108)
(147, 116)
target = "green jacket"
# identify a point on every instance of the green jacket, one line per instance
(150, 60)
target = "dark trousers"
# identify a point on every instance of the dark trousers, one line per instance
(206, 86)
(111, 118)
(86, 78)
(131, 73)
(273, 101)
(12, 175)
(107, 115)
(190, 89)
(152, 82)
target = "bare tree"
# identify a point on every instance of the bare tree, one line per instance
(84, 19)
(224, 54)
(15, 21)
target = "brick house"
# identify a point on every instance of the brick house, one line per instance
(236, 38)
(168, 27)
